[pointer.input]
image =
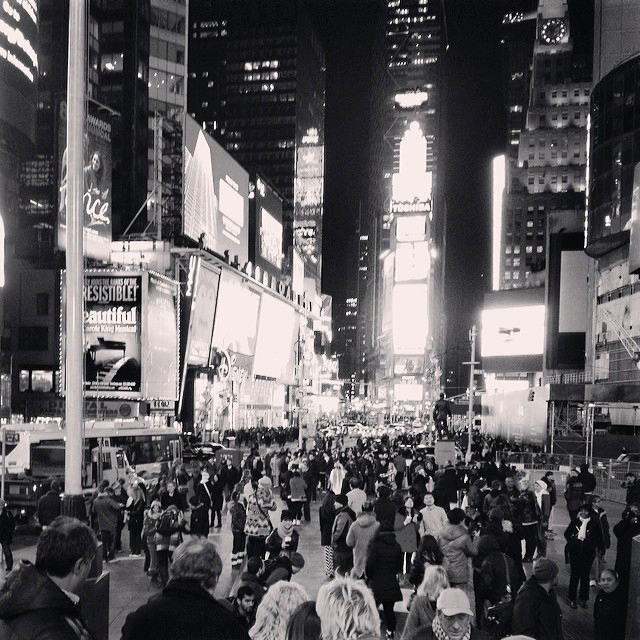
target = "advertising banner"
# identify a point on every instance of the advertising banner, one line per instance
(309, 195)
(513, 331)
(267, 209)
(634, 223)
(216, 193)
(408, 365)
(96, 200)
(236, 316)
(410, 316)
(112, 326)
(203, 309)
(161, 338)
(412, 261)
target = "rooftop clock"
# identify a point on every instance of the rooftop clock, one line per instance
(553, 31)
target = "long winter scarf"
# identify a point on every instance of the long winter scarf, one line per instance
(582, 533)
(441, 634)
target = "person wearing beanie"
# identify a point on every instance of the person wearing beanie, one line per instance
(342, 552)
(536, 611)
(384, 507)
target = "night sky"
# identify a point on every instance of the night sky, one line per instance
(475, 132)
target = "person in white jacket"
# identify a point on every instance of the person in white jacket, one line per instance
(336, 478)
(433, 517)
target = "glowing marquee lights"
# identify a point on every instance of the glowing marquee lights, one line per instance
(412, 185)
(15, 45)
(499, 179)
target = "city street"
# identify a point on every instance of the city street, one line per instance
(130, 587)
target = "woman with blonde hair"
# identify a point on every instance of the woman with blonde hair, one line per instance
(422, 610)
(135, 511)
(347, 611)
(275, 609)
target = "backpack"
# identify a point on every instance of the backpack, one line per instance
(168, 523)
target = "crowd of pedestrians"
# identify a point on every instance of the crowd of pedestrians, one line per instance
(459, 536)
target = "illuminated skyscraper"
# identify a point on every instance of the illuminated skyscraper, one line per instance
(256, 82)
(414, 45)
(547, 174)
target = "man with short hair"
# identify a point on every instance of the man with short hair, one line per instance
(356, 497)
(452, 620)
(242, 606)
(536, 611)
(41, 600)
(107, 510)
(433, 517)
(187, 607)
(252, 577)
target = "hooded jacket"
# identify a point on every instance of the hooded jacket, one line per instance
(587, 478)
(456, 545)
(384, 562)
(537, 613)
(360, 534)
(33, 607)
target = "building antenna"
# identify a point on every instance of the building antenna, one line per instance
(444, 24)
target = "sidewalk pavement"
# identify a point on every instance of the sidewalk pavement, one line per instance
(130, 588)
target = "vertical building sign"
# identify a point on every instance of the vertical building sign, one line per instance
(203, 309)
(309, 196)
(161, 338)
(112, 327)
(634, 240)
(97, 184)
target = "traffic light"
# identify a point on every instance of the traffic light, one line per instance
(532, 395)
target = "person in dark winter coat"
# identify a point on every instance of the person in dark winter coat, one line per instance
(252, 577)
(632, 485)
(529, 517)
(107, 511)
(573, 494)
(384, 562)
(446, 489)
(385, 509)
(173, 497)
(49, 505)
(610, 608)
(217, 499)
(361, 532)
(199, 523)
(7, 526)
(342, 553)
(536, 611)
(584, 538)
(327, 514)
(625, 531)
(588, 481)
(187, 607)
(41, 600)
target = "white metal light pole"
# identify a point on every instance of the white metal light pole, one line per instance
(73, 502)
(472, 364)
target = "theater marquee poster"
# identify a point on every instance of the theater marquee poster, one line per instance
(112, 334)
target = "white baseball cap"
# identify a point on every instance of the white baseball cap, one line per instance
(453, 601)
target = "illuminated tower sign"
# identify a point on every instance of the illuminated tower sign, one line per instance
(411, 187)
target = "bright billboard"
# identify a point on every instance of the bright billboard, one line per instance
(407, 392)
(160, 373)
(216, 193)
(96, 199)
(266, 217)
(275, 343)
(412, 261)
(513, 331)
(204, 295)
(113, 334)
(410, 227)
(236, 318)
(634, 223)
(410, 318)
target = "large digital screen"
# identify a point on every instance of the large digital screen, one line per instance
(634, 223)
(410, 317)
(160, 372)
(236, 318)
(203, 307)
(268, 228)
(309, 195)
(112, 334)
(216, 192)
(572, 313)
(275, 343)
(513, 331)
(96, 198)
(411, 227)
(19, 65)
(409, 392)
(412, 261)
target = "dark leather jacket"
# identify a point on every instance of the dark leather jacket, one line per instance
(33, 607)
